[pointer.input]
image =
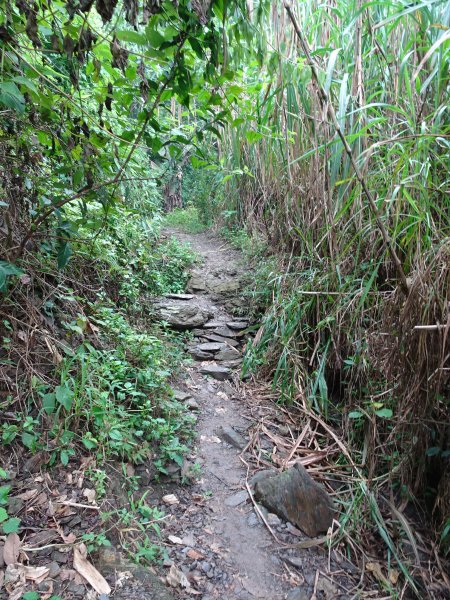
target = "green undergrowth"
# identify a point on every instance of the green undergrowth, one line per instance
(188, 219)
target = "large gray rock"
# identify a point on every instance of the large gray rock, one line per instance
(181, 314)
(227, 353)
(294, 496)
(216, 371)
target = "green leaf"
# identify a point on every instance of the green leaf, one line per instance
(131, 36)
(48, 403)
(11, 526)
(28, 83)
(64, 253)
(115, 434)
(11, 96)
(28, 440)
(253, 136)
(7, 269)
(31, 596)
(64, 457)
(154, 38)
(355, 414)
(385, 413)
(64, 395)
(3, 515)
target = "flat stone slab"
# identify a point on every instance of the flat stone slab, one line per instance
(180, 314)
(216, 371)
(295, 497)
(237, 499)
(218, 338)
(213, 324)
(180, 296)
(227, 354)
(229, 435)
(180, 395)
(225, 332)
(225, 287)
(200, 354)
(238, 325)
(210, 347)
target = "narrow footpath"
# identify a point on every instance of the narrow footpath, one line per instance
(220, 543)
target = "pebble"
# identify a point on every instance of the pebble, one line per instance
(299, 594)
(60, 557)
(252, 520)
(54, 570)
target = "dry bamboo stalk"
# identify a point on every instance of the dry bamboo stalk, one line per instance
(329, 107)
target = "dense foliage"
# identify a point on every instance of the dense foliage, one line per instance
(318, 135)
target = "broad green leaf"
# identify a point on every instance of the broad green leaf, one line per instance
(64, 395)
(3, 515)
(11, 525)
(385, 413)
(11, 96)
(64, 254)
(131, 36)
(355, 414)
(48, 403)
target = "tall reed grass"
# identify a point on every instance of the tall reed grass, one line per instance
(339, 333)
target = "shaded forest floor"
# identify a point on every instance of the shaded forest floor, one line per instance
(197, 519)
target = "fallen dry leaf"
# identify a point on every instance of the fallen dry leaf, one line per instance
(393, 576)
(2, 577)
(194, 554)
(375, 568)
(11, 549)
(175, 539)
(89, 572)
(176, 578)
(90, 495)
(28, 495)
(170, 499)
(37, 574)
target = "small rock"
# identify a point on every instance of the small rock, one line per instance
(294, 561)
(205, 566)
(192, 404)
(60, 557)
(229, 435)
(294, 496)
(180, 395)
(15, 505)
(299, 594)
(76, 589)
(253, 519)
(237, 325)
(216, 371)
(227, 354)
(54, 570)
(237, 499)
(273, 520)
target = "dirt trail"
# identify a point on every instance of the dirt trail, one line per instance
(214, 535)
